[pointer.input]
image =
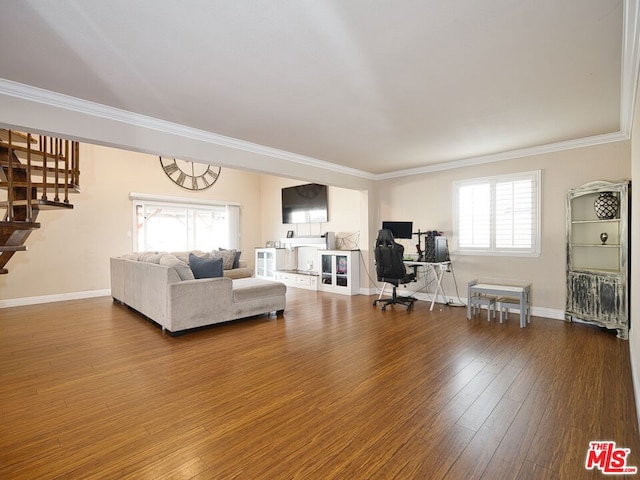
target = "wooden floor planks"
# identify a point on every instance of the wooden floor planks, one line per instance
(333, 389)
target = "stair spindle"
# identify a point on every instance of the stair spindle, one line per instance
(66, 171)
(43, 149)
(56, 172)
(77, 164)
(29, 192)
(10, 212)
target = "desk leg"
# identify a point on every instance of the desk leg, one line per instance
(523, 311)
(439, 274)
(469, 301)
(384, 285)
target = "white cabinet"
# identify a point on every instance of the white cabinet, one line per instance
(339, 271)
(268, 261)
(598, 255)
(308, 281)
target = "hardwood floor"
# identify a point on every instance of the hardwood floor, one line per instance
(334, 389)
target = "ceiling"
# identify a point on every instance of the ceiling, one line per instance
(371, 85)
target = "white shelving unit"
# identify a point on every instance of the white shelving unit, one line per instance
(339, 271)
(598, 257)
(269, 261)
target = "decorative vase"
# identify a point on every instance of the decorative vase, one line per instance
(606, 206)
(604, 237)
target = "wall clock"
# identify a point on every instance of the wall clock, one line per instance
(190, 175)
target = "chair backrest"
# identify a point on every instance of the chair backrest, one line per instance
(389, 258)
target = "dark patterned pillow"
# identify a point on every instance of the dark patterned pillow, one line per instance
(236, 260)
(227, 256)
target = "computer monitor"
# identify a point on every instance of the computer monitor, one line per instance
(399, 229)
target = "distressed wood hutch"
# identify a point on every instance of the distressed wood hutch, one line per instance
(598, 255)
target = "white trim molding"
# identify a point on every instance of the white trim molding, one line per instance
(150, 197)
(86, 107)
(59, 297)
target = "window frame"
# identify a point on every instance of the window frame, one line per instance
(492, 249)
(232, 216)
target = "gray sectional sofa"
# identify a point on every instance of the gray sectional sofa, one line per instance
(162, 287)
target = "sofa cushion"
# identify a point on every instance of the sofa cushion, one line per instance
(228, 257)
(245, 289)
(240, 272)
(152, 257)
(184, 256)
(181, 268)
(205, 267)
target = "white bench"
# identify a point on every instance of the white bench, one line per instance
(521, 292)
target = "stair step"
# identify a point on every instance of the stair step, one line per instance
(6, 226)
(19, 224)
(72, 187)
(38, 203)
(13, 248)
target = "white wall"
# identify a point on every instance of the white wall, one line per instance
(427, 201)
(634, 333)
(70, 252)
(348, 218)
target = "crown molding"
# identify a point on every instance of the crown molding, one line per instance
(630, 64)
(510, 155)
(59, 100)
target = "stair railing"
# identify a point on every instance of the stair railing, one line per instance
(59, 159)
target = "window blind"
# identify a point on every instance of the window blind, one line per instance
(498, 215)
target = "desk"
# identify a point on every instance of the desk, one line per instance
(522, 292)
(437, 268)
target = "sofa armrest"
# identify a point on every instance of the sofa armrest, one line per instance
(193, 303)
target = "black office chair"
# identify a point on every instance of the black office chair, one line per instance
(390, 268)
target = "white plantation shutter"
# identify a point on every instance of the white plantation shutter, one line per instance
(498, 215)
(474, 215)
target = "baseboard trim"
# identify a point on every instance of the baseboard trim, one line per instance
(58, 297)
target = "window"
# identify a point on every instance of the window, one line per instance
(170, 226)
(498, 215)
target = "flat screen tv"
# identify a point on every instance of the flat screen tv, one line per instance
(399, 229)
(305, 204)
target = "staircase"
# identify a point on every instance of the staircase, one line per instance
(38, 173)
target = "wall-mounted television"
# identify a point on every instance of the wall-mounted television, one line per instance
(305, 204)
(399, 229)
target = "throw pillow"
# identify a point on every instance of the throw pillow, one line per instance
(205, 267)
(181, 268)
(227, 256)
(236, 259)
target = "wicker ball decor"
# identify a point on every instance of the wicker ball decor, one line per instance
(606, 206)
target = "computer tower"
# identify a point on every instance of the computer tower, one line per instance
(435, 249)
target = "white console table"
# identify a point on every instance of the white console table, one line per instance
(523, 292)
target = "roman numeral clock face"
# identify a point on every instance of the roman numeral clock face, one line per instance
(190, 175)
